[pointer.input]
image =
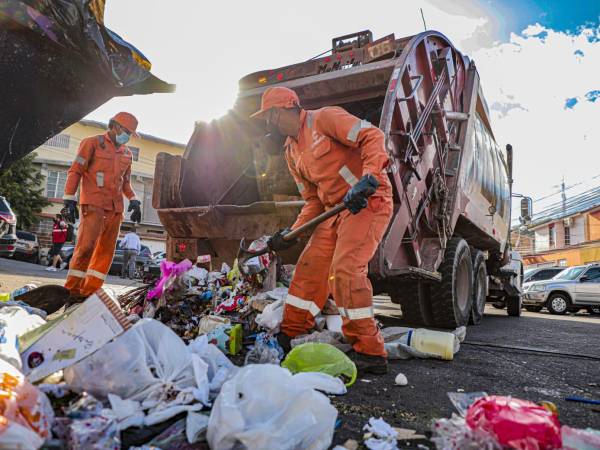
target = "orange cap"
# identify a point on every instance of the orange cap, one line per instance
(127, 121)
(276, 97)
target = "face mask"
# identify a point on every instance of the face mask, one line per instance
(122, 138)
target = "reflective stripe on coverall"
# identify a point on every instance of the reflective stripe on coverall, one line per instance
(334, 149)
(104, 173)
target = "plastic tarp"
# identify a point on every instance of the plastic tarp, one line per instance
(58, 63)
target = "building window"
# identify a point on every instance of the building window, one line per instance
(135, 151)
(567, 236)
(55, 183)
(59, 141)
(562, 263)
(551, 236)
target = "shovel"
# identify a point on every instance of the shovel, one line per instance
(244, 253)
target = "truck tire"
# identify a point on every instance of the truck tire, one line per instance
(479, 287)
(413, 298)
(514, 304)
(452, 298)
(594, 310)
(558, 303)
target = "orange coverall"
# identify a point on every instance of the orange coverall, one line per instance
(103, 171)
(334, 149)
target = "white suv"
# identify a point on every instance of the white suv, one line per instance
(571, 290)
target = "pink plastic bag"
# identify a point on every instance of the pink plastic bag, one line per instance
(168, 269)
(516, 423)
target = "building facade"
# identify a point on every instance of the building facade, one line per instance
(567, 236)
(56, 155)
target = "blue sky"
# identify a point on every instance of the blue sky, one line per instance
(538, 61)
(516, 15)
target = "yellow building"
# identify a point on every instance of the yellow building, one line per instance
(56, 155)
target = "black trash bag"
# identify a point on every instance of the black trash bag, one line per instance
(58, 62)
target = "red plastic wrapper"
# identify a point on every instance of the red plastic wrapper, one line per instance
(516, 423)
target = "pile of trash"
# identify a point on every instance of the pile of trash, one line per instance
(176, 365)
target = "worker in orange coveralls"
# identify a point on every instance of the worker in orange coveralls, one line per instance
(102, 170)
(333, 157)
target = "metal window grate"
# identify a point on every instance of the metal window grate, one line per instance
(59, 141)
(55, 183)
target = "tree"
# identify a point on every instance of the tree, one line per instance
(21, 184)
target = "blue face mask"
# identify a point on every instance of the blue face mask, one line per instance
(122, 138)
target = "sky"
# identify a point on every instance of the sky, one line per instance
(538, 60)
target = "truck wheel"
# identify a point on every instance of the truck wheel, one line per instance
(501, 304)
(452, 298)
(413, 298)
(594, 310)
(479, 287)
(558, 303)
(514, 305)
(533, 308)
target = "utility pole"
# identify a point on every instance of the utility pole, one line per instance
(563, 196)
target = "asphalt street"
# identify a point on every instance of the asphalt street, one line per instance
(14, 274)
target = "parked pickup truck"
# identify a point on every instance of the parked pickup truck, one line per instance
(571, 290)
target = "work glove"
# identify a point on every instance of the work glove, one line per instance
(276, 242)
(356, 197)
(69, 211)
(136, 207)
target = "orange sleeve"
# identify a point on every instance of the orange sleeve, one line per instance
(127, 189)
(79, 165)
(351, 131)
(312, 206)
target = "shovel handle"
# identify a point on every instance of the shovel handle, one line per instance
(314, 222)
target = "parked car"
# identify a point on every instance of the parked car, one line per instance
(27, 247)
(571, 290)
(541, 273)
(142, 259)
(8, 227)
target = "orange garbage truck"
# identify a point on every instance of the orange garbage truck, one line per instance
(447, 248)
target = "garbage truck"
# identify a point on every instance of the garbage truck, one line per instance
(447, 248)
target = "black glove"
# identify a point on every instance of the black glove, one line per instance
(356, 197)
(136, 207)
(69, 211)
(276, 242)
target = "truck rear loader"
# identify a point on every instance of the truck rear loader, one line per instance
(447, 248)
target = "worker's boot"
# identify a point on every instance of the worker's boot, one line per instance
(376, 365)
(284, 341)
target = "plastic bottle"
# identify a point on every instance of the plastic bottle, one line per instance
(433, 342)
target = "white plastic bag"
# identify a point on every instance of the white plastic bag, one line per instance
(14, 322)
(272, 316)
(149, 364)
(220, 368)
(265, 407)
(383, 436)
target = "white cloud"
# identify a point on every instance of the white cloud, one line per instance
(530, 79)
